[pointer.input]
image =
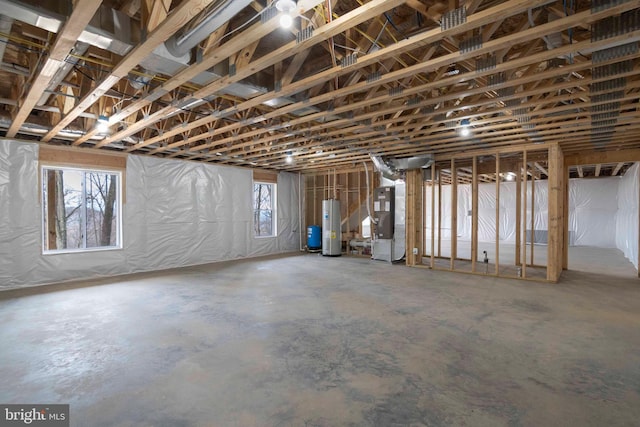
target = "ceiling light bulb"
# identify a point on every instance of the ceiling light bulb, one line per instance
(465, 131)
(286, 20)
(289, 159)
(287, 8)
(103, 124)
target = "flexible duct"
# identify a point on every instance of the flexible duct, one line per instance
(201, 27)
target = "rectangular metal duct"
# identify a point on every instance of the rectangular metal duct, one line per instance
(614, 52)
(608, 85)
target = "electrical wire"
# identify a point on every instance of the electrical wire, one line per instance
(256, 16)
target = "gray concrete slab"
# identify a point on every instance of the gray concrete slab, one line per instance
(314, 341)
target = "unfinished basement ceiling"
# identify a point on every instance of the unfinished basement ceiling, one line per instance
(348, 79)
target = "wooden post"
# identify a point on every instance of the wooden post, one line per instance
(440, 212)
(413, 223)
(524, 210)
(474, 214)
(556, 213)
(497, 214)
(518, 210)
(533, 223)
(565, 228)
(359, 205)
(315, 200)
(454, 213)
(433, 211)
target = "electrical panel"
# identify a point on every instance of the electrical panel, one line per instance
(384, 208)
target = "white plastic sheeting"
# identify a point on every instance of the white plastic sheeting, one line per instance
(627, 215)
(176, 213)
(592, 211)
(592, 214)
(487, 211)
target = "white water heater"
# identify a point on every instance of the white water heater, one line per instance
(331, 228)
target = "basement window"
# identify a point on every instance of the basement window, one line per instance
(82, 210)
(264, 211)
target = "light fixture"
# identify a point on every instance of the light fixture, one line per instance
(286, 8)
(286, 20)
(289, 158)
(464, 129)
(103, 124)
(510, 176)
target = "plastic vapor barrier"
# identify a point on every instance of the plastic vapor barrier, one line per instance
(592, 211)
(487, 211)
(627, 215)
(176, 213)
(603, 212)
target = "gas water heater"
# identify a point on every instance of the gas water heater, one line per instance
(331, 228)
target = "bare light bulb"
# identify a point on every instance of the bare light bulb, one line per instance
(289, 159)
(103, 124)
(465, 131)
(286, 20)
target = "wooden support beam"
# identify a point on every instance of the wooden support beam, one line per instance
(556, 213)
(176, 19)
(540, 168)
(497, 271)
(565, 222)
(478, 19)
(617, 169)
(65, 41)
(525, 178)
(518, 213)
(439, 212)
(613, 156)
(474, 215)
(533, 216)
(454, 214)
(580, 172)
(414, 222)
(154, 12)
(433, 211)
(598, 167)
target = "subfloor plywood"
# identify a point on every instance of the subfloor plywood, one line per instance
(312, 340)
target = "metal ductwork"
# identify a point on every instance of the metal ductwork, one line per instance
(394, 168)
(199, 28)
(114, 31)
(35, 129)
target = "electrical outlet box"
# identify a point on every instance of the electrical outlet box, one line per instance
(415, 251)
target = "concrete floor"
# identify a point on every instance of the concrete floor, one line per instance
(609, 261)
(314, 341)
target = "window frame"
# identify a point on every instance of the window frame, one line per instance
(119, 208)
(274, 213)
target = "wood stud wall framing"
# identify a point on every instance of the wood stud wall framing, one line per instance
(532, 166)
(347, 186)
(502, 163)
